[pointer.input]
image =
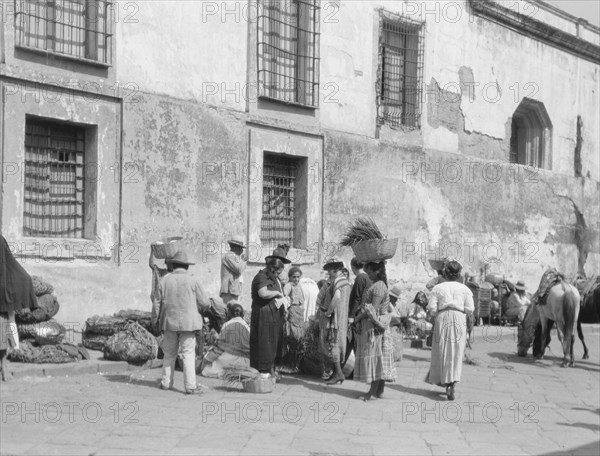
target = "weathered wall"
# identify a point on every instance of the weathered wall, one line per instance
(480, 212)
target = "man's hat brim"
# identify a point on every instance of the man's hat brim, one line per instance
(333, 265)
(234, 242)
(520, 287)
(174, 261)
(284, 260)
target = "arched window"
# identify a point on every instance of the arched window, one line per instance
(531, 135)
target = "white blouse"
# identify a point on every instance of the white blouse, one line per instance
(452, 295)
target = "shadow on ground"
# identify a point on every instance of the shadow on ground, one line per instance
(590, 448)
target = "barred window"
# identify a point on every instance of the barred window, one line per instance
(400, 72)
(54, 161)
(280, 175)
(288, 51)
(74, 28)
(531, 135)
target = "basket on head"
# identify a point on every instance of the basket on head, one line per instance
(375, 250)
(437, 265)
(168, 247)
(259, 385)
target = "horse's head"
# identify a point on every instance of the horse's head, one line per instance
(526, 331)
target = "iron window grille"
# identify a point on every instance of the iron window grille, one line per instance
(54, 166)
(279, 200)
(400, 72)
(288, 51)
(79, 29)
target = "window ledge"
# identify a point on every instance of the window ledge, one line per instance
(59, 55)
(288, 103)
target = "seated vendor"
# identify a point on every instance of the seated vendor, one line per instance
(232, 349)
(417, 324)
(518, 302)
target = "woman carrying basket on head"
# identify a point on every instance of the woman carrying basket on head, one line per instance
(374, 349)
(450, 302)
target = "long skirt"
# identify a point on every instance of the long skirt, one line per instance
(266, 331)
(368, 365)
(448, 348)
(387, 354)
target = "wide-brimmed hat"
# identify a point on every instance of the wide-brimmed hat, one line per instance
(280, 255)
(333, 263)
(237, 240)
(180, 257)
(520, 285)
(395, 291)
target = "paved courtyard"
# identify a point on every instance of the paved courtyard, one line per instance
(505, 405)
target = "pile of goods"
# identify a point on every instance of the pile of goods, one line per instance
(133, 344)
(252, 381)
(311, 356)
(126, 336)
(42, 336)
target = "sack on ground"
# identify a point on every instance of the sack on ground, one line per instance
(104, 325)
(49, 332)
(139, 316)
(47, 307)
(28, 352)
(134, 344)
(94, 341)
(40, 286)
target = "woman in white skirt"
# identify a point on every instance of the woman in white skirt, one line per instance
(450, 302)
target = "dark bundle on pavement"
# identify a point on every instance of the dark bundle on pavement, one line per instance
(139, 316)
(28, 352)
(49, 332)
(40, 286)
(311, 357)
(46, 308)
(133, 344)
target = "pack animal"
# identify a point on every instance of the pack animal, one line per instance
(530, 332)
(562, 307)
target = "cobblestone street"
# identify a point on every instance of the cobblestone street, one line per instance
(505, 405)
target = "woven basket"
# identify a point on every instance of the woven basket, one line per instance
(375, 250)
(437, 265)
(169, 247)
(260, 385)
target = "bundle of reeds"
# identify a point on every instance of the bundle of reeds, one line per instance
(235, 375)
(363, 229)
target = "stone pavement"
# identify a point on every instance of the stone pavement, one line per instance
(504, 405)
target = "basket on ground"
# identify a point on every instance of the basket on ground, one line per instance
(167, 248)
(375, 249)
(260, 385)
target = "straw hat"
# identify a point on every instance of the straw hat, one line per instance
(280, 255)
(237, 240)
(520, 286)
(395, 291)
(180, 257)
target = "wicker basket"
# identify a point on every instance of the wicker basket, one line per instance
(437, 265)
(169, 247)
(260, 385)
(375, 250)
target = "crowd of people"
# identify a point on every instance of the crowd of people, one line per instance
(354, 319)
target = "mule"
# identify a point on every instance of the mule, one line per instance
(562, 307)
(530, 330)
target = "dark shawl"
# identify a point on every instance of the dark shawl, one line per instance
(16, 288)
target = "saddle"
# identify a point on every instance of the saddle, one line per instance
(550, 278)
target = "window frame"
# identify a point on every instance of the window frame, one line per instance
(407, 27)
(269, 69)
(531, 135)
(45, 161)
(91, 26)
